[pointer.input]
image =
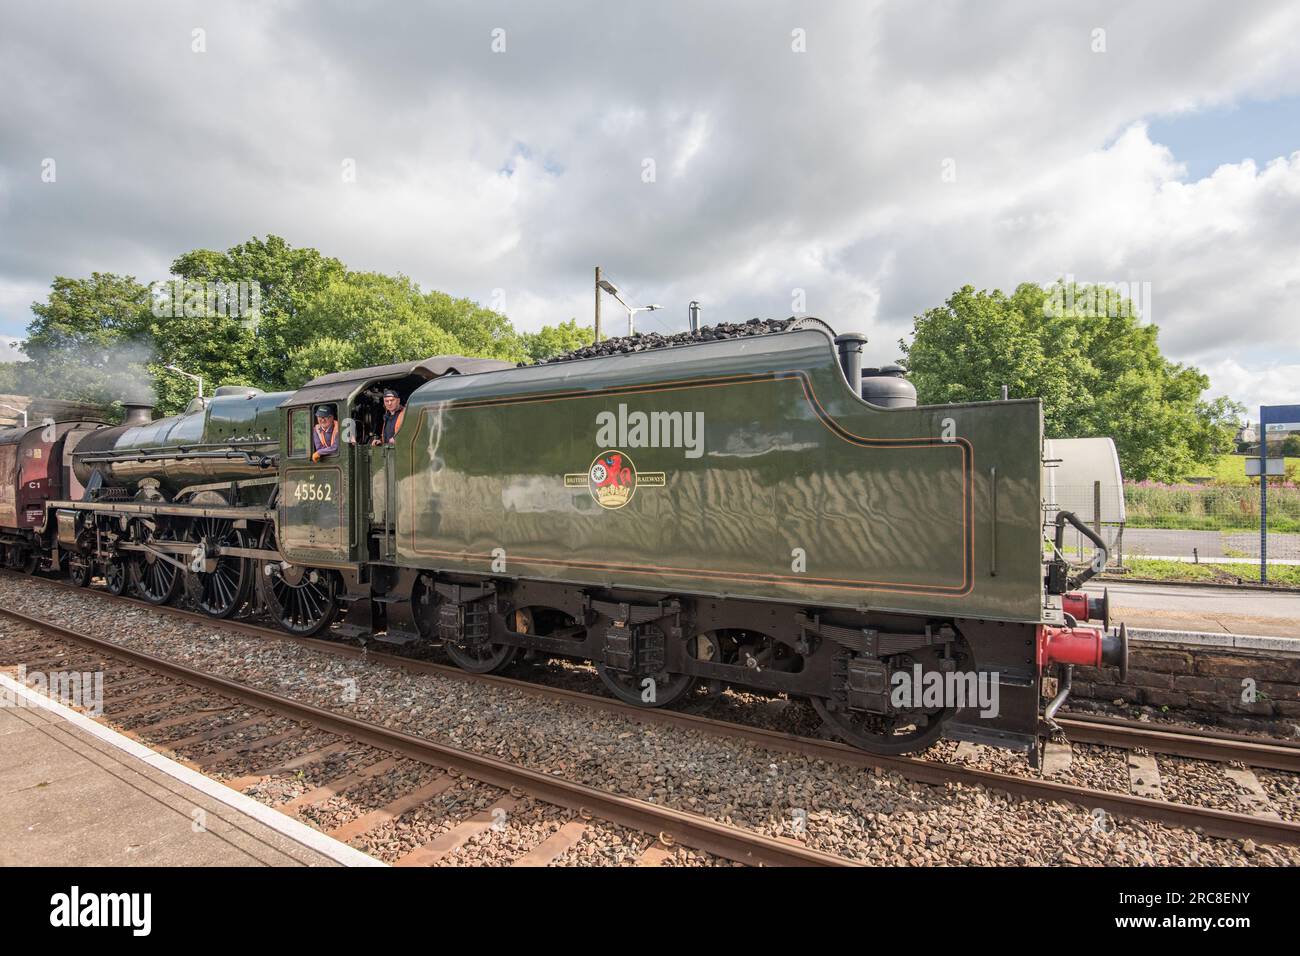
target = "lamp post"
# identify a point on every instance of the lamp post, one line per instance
(631, 310)
(189, 375)
(20, 411)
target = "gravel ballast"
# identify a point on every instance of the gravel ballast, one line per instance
(863, 814)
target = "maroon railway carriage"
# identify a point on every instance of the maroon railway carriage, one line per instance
(35, 467)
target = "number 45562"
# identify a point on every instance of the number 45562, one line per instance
(313, 491)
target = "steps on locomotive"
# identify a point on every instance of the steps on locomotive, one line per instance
(384, 634)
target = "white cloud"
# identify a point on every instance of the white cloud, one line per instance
(778, 170)
(1264, 384)
(9, 349)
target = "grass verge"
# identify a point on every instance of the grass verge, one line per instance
(1279, 575)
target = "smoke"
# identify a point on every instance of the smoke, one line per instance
(91, 373)
(128, 378)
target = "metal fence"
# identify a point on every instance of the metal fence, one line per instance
(1206, 524)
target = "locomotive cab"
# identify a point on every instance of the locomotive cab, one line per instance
(334, 512)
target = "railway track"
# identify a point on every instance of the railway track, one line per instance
(1130, 736)
(669, 827)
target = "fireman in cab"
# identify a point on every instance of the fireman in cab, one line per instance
(394, 412)
(325, 434)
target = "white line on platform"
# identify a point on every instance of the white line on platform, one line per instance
(299, 832)
(1238, 642)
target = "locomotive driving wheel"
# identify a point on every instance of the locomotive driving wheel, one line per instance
(154, 578)
(303, 600)
(223, 590)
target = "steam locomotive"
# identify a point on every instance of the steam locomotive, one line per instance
(754, 512)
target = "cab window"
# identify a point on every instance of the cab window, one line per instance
(299, 433)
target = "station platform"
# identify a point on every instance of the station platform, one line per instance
(76, 793)
(1203, 610)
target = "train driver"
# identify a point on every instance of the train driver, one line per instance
(393, 415)
(325, 436)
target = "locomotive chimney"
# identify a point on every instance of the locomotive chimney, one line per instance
(849, 345)
(137, 413)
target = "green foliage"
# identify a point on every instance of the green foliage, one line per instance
(481, 332)
(89, 341)
(105, 338)
(248, 350)
(556, 340)
(1096, 367)
(1213, 507)
(364, 319)
(1231, 470)
(1152, 569)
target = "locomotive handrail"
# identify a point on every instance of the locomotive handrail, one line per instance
(262, 461)
(1098, 562)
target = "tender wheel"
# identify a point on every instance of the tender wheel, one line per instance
(155, 580)
(481, 658)
(224, 590)
(883, 735)
(31, 560)
(80, 571)
(303, 600)
(115, 576)
(477, 658)
(646, 690)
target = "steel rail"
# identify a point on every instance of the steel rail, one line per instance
(1274, 755)
(1217, 822)
(673, 826)
(1271, 753)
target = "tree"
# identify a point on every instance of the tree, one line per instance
(292, 314)
(555, 340)
(89, 341)
(364, 319)
(1096, 367)
(481, 332)
(248, 349)
(9, 378)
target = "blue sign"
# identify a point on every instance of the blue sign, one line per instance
(1277, 419)
(1278, 415)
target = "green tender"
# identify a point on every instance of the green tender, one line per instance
(795, 490)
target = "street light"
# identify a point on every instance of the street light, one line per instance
(180, 371)
(631, 310)
(20, 411)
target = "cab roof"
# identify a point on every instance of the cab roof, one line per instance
(341, 386)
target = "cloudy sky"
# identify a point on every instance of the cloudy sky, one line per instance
(875, 156)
